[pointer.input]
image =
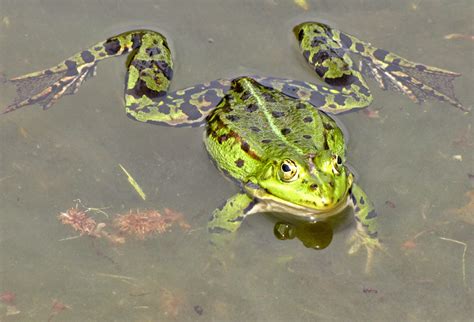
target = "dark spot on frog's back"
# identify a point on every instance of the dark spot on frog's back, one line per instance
(112, 46)
(268, 97)
(265, 141)
(308, 119)
(255, 129)
(232, 117)
(245, 95)
(285, 131)
(252, 108)
(245, 146)
(239, 163)
(87, 56)
(277, 114)
(222, 138)
(300, 106)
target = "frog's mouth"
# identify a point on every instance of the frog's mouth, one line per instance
(270, 203)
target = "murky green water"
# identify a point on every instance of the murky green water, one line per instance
(414, 161)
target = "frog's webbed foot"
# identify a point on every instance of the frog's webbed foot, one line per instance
(227, 220)
(47, 86)
(359, 239)
(417, 81)
(366, 232)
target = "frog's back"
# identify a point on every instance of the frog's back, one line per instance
(254, 123)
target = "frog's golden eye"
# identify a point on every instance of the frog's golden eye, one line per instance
(288, 171)
(336, 164)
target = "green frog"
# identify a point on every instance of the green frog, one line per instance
(274, 136)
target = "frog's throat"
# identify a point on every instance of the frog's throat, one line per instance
(270, 203)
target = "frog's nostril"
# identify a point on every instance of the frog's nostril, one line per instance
(314, 186)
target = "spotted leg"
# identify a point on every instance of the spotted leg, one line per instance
(328, 51)
(228, 219)
(366, 232)
(149, 73)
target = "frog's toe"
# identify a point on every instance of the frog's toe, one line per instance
(221, 250)
(46, 87)
(371, 244)
(221, 239)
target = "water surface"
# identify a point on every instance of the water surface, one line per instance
(414, 162)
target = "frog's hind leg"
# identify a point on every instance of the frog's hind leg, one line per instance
(417, 81)
(47, 86)
(328, 49)
(149, 74)
(185, 107)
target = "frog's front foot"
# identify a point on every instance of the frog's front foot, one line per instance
(372, 244)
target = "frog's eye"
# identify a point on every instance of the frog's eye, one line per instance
(288, 171)
(337, 163)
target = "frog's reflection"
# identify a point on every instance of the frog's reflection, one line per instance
(317, 235)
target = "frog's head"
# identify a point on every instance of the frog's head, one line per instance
(318, 183)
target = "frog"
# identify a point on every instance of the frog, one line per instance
(277, 138)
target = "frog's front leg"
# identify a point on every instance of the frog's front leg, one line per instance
(366, 218)
(226, 220)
